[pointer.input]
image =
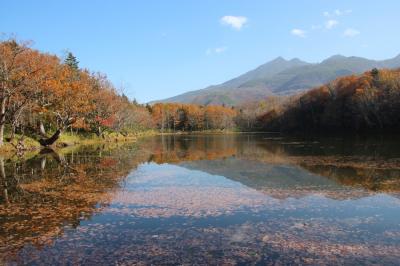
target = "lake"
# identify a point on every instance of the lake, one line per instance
(205, 199)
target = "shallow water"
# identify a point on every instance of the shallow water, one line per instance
(206, 199)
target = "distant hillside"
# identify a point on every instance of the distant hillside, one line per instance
(356, 103)
(281, 77)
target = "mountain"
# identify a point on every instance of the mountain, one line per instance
(281, 77)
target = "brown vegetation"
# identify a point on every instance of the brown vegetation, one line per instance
(189, 117)
(38, 91)
(354, 103)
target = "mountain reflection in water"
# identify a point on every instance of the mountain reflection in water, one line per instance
(205, 199)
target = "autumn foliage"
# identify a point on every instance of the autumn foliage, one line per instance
(39, 92)
(370, 101)
(190, 117)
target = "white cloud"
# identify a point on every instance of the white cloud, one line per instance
(337, 12)
(350, 32)
(299, 33)
(331, 24)
(235, 22)
(217, 50)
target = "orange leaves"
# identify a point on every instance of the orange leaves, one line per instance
(60, 96)
(80, 123)
(352, 103)
(219, 117)
(192, 117)
(108, 162)
(347, 86)
(67, 95)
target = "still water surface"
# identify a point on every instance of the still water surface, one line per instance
(206, 199)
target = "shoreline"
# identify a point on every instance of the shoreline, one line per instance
(216, 132)
(67, 141)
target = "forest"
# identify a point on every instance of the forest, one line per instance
(40, 94)
(43, 95)
(356, 103)
(191, 117)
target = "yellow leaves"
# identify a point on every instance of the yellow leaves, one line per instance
(68, 93)
(81, 123)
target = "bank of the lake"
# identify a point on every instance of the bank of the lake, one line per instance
(31, 146)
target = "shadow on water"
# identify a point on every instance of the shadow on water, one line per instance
(205, 199)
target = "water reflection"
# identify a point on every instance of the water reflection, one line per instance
(223, 199)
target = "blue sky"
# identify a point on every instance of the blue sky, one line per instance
(157, 49)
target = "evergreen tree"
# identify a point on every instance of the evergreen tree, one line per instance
(148, 107)
(375, 76)
(125, 98)
(71, 61)
(375, 72)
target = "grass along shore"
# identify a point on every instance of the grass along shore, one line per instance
(67, 139)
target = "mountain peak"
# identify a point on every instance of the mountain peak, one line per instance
(282, 60)
(296, 60)
(279, 59)
(335, 58)
(283, 77)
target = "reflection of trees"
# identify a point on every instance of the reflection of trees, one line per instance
(43, 194)
(355, 162)
(174, 149)
(373, 179)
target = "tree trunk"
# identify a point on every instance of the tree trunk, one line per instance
(58, 157)
(99, 132)
(43, 163)
(162, 121)
(4, 179)
(2, 119)
(42, 131)
(49, 141)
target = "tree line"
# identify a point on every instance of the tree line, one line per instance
(191, 117)
(355, 103)
(41, 93)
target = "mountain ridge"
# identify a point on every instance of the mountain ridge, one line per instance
(281, 77)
